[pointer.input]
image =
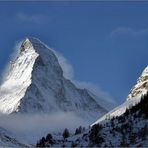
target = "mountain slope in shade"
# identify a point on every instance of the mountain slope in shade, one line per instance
(35, 84)
(127, 130)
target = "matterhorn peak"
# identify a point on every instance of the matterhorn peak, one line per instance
(26, 44)
(141, 87)
(35, 84)
(35, 44)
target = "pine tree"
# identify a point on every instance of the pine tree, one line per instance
(79, 130)
(66, 133)
(95, 136)
(41, 143)
(48, 137)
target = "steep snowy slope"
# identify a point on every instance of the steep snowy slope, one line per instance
(35, 84)
(133, 98)
(118, 111)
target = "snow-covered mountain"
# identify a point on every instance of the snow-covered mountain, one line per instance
(35, 84)
(129, 118)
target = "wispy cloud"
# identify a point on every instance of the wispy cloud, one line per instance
(33, 18)
(31, 127)
(68, 70)
(127, 31)
(12, 57)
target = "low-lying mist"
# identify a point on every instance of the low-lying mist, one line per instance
(30, 128)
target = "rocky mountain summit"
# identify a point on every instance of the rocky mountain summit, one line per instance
(141, 87)
(35, 84)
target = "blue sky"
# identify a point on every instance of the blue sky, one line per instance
(105, 42)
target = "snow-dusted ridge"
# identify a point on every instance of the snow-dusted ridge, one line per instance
(133, 98)
(35, 84)
(118, 111)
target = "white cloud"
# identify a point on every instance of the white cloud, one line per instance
(33, 18)
(16, 50)
(127, 31)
